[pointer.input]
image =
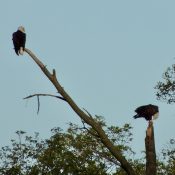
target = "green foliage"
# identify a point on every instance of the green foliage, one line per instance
(20, 157)
(76, 151)
(166, 88)
(169, 158)
(138, 165)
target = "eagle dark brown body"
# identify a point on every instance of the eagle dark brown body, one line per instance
(19, 40)
(147, 111)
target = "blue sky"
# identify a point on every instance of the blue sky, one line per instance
(108, 56)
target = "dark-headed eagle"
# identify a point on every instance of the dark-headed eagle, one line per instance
(148, 112)
(19, 40)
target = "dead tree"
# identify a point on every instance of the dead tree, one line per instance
(85, 117)
(150, 150)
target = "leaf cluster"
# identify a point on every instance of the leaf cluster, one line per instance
(166, 88)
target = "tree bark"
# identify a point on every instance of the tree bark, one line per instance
(85, 117)
(150, 150)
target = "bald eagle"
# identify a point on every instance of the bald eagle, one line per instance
(148, 112)
(19, 40)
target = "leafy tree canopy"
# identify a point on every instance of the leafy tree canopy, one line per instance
(76, 151)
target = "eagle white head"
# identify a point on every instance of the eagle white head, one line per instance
(21, 28)
(155, 116)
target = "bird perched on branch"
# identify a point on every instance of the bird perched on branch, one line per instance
(148, 112)
(19, 40)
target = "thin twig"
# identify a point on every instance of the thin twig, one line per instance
(38, 104)
(107, 157)
(89, 131)
(88, 113)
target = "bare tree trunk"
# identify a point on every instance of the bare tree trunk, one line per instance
(150, 150)
(85, 117)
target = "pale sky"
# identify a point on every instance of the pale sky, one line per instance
(108, 56)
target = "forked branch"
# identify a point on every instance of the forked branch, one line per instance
(38, 100)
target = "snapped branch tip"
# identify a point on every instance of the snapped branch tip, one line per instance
(54, 72)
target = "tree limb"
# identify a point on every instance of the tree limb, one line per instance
(30, 96)
(90, 121)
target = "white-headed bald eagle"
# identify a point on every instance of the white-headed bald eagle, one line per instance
(148, 112)
(19, 40)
